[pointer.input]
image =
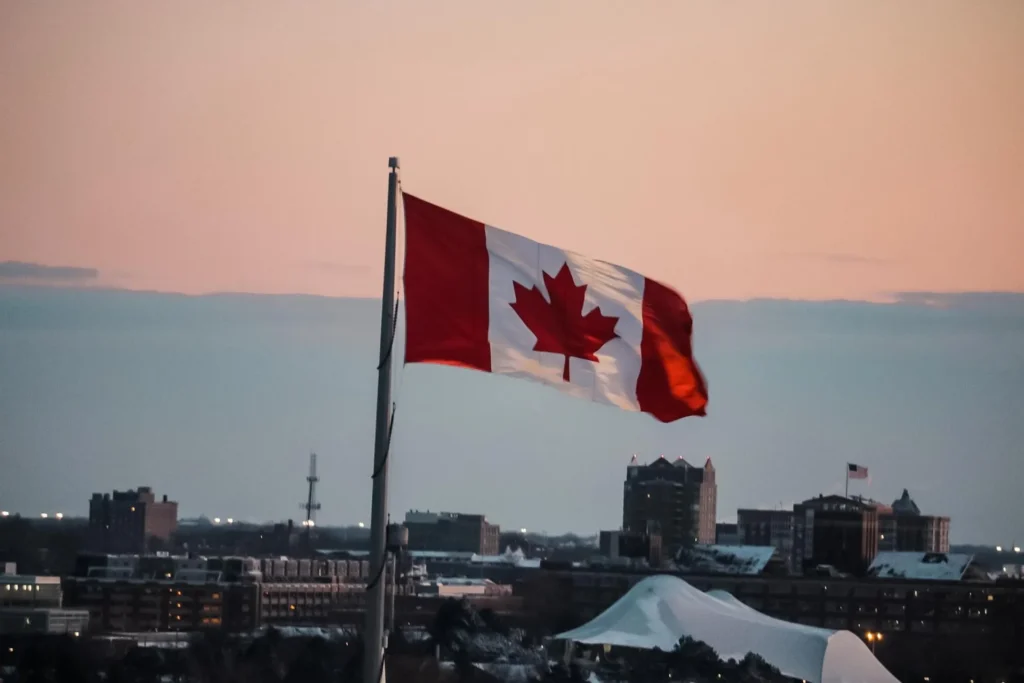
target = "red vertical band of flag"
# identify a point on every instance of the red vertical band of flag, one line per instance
(670, 385)
(446, 287)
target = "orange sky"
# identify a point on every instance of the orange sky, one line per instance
(813, 149)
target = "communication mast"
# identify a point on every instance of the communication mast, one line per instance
(311, 505)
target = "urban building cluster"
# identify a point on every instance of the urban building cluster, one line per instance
(831, 561)
(35, 604)
(845, 534)
(669, 508)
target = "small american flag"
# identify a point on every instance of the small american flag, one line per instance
(856, 471)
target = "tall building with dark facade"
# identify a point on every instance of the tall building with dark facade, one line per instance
(676, 496)
(836, 531)
(452, 532)
(130, 521)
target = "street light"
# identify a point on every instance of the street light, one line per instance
(230, 521)
(44, 515)
(1016, 548)
(361, 525)
(999, 548)
(216, 520)
(522, 531)
(873, 638)
(59, 515)
(5, 513)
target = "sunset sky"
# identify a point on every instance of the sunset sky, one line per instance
(802, 150)
(780, 150)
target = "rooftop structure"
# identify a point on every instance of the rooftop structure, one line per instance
(659, 610)
(920, 566)
(747, 560)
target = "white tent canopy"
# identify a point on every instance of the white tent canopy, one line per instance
(660, 610)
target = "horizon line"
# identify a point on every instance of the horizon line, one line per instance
(884, 298)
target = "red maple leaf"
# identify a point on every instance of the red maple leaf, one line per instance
(559, 325)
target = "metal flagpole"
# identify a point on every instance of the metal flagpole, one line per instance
(374, 635)
(847, 480)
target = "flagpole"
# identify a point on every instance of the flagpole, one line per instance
(374, 634)
(847, 480)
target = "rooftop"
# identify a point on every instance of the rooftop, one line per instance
(21, 580)
(920, 566)
(747, 560)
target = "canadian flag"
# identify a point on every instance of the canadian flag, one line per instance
(482, 298)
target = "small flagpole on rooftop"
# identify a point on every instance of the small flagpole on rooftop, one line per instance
(373, 656)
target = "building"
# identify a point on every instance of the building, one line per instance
(132, 521)
(835, 531)
(32, 605)
(188, 593)
(843, 533)
(774, 528)
(632, 545)
(29, 591)
(727, 534)
(680, 499)
(902, 528)
(452, 532)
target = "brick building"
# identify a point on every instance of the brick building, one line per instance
(187, 593)
(680, 499)
(452, 532)
(130, 521)
(903, 528)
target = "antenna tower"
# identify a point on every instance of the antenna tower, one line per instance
(311, 505)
